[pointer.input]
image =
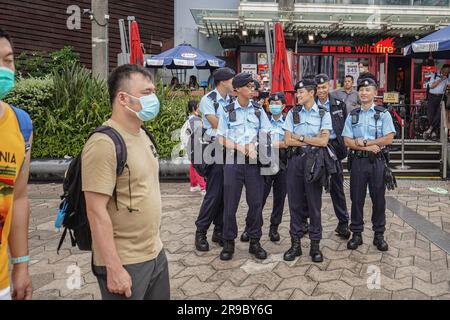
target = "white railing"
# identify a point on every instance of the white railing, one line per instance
(444, 140)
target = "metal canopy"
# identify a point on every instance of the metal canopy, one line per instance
(323, 19)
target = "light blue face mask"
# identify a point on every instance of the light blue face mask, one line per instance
(275, 109)
(150, 107)
(6, 81)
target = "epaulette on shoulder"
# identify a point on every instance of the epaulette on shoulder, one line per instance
(229, 107)
(355, 111)
(212, 95)
(255, 104)
(380, 108)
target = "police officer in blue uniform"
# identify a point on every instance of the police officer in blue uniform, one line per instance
(307, 126)
(240, 126)
(277, 103)
(338, 113)
(367, 132)
(211, 210)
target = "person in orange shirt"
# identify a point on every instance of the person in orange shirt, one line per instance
(14, 170)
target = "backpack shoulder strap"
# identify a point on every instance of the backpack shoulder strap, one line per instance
(25, 124)
(119, 143)
(150, 136)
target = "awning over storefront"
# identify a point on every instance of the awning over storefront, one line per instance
(323, 19)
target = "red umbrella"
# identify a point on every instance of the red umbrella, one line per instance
(281, 75)
(136, 55)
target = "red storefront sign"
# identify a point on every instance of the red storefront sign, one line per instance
(381, 47)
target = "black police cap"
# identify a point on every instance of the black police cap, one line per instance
(223, 74)
(278, 96)
(366, 75)
(306, 83)
(321, 78)
(366, 82)
(242, 79)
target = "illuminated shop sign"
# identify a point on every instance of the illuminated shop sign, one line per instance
(381, 47)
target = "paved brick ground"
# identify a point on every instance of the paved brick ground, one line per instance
(413, 268)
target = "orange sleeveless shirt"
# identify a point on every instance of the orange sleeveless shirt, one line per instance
(12, 153)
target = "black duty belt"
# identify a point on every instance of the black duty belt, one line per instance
(366, 154)
(437, 94)
(298, 151)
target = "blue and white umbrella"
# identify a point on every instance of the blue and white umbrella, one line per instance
(436, 43)
(185, 56)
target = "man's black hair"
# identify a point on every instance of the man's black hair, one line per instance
(4, 34)
(349, 76)
(122, 73)
(192, 106)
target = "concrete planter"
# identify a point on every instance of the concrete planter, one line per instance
(54, 169)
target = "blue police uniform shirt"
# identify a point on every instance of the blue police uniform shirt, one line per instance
(277, 133)
(309, 125)
(207, 108)
(247, 125)
(365, 128)
(326, 105)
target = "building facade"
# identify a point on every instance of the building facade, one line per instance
(336, 37)
(46, 26)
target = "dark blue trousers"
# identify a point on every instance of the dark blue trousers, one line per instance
(338, 195)
(235, 177)
(365, 173)
(279, 195)
(211, 210)
(303, 198)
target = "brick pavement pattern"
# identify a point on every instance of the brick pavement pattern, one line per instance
(413, 268)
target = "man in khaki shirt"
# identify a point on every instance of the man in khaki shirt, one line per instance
(125, 211)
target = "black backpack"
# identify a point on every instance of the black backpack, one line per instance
(72, 215)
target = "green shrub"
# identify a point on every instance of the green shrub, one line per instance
(32, 93)
(41, 64)
(171, 117)
(67, 106)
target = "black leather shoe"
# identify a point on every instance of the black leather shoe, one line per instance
(355, 241)
(380, 243)
(256, 249)
(245, 237)
(343, 231)
(228, 250)
(201, 244)
(217, 237)
(294, 251)
(315, 252)
(273, 233)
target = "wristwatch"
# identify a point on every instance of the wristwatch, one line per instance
(302, 138)
(365, 143)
